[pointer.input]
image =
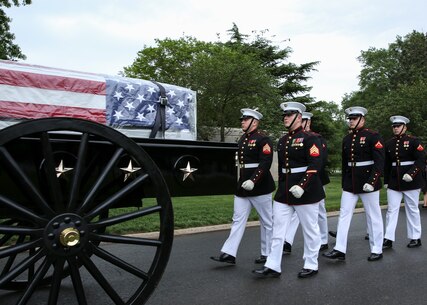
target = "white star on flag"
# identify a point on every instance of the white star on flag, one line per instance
(129, 106)
(178, 121)
(129, 87)
(170, 111)
(180, 104)
(118, 95)
(140, 98)
(140, 116)
(151, 108)
(171, 93)
(118, 114)
(151, 90)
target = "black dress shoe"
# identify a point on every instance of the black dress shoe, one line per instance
(261, 260)
(287, 248)
(333, 234)
(414, 243)
(367, 236)
(387, 244)
(224, 258)
(375, 257)
(323, 247)
(266, 272)
(306, 273)
(335, 254)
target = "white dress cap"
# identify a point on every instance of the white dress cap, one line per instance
(399, 119)
(250, 113)
(292, 107)
(356, 111)
(307, 115)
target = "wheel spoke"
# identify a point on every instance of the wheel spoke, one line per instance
(40, 273)
(25, 183)
(125, 217)
(22, 210)
(21, 231)
(119, 262)
(78, 172)
(21, 267)
(11, 259)
(91, 195)
(19, 248)
(125, 240)
(56, 281)
(77, 281)
(50, 174)
(109, 203)
(102, 281)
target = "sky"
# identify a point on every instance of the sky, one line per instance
(103, 36)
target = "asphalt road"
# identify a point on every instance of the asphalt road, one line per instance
(192, 278)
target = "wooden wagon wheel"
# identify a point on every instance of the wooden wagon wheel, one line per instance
(65, 185)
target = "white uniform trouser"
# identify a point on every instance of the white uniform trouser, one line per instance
(308, 216)
(242, 209)
(323, 225)
(374, 220)
(413, 221)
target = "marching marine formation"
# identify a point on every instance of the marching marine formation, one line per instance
(403, 178)
(299, 190)
(362, 166)
(254, 188)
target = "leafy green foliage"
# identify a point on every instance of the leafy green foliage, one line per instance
(393, 81)
(242, 72)
(8, 49)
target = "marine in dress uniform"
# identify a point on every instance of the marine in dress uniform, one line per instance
(300, 189)
(254, 187)
(362, 166)
(324, 178)
(403, 177)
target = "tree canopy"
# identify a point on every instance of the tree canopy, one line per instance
(393, 82)
(245, 71)
(8, 49)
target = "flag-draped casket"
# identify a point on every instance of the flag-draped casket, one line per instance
(133, 106)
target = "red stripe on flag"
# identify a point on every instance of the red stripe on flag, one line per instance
(37, 111)
(52, 82)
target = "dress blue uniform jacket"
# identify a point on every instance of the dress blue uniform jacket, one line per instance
(324, 176)
(400, 149)
(362, 145)
(298, 149)
(255, 147)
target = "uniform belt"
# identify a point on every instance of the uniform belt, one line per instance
(361, 163)
(294, 170)
(402, 163)
(249, 165)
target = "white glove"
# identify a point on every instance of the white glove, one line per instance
(407, 178)
(385, 186)
(248, 185)
(368, 188)
(297, 191)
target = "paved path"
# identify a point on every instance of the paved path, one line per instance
(192, 278)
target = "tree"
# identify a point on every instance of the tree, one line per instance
(242, 72)
(393, 81)
(8, 49)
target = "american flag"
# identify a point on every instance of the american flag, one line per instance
(30, 92)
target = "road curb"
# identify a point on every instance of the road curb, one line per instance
(196, 230)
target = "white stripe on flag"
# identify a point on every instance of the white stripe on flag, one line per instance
(51, 97)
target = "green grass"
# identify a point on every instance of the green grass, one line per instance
(200, 211)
